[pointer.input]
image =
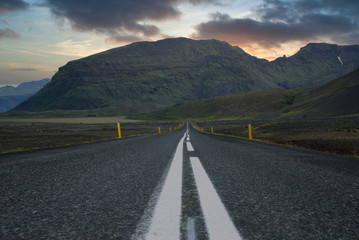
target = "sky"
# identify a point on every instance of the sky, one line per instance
(39, 36)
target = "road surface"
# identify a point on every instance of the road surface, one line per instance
(181, 185)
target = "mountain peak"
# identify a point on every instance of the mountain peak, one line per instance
(175, 70)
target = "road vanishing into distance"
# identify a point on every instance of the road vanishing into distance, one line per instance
(180, 185)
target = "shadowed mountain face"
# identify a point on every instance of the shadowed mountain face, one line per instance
(149, 75)
(336, 98)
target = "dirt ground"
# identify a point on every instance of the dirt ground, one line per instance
(20, 136)
(337, 135)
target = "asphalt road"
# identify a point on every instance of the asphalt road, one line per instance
(119, 189)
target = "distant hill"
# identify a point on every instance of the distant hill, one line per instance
(336, 98)
(314, 64)
(11, 96)
(146, 76)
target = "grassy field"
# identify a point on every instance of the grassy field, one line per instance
(336, 135)
(19, 135)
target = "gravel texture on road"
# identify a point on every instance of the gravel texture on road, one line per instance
(92, 191)
(103, 190)
(278, 192)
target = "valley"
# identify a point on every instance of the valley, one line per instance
(307, 100)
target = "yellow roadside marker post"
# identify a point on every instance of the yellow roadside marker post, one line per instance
(119, 130)
(159, 130)
(211, 130)
(202, 129)
(250, 131)
(170, 130)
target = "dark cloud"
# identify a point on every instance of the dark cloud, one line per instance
(280, 21)
(12, 5)
(115, 36)
(121, 18)
(8, 33)
(289, 11)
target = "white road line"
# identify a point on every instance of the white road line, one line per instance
(218, 222)
(191, 228)
(189, 147)
(166, 219)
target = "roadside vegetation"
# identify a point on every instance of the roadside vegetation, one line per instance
(334, 135)
(21, 135)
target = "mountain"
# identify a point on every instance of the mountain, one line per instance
(146, 76)
(314, 64)
(11, 96)
(335, 98)
(24, 88)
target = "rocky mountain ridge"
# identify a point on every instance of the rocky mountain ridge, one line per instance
(145, 76)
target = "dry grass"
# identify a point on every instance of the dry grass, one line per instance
(339, 135)
(21, 136)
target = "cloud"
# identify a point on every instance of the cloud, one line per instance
(120, 19)
(267, 34)
(115, 36)
(24, 69)
(14, 73)
(4, 22)
(277, 22)
(291, 11)
(75, 48)
(12, 5)
(8, 33)
(30, 53)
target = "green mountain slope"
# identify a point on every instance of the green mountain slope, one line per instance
(314, 64)
(335, 98)
(150, 75)
(155, 74)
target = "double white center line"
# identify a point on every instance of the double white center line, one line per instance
(166, 216)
